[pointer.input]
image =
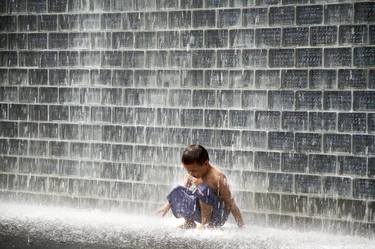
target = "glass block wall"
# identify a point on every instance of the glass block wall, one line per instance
(99, 97)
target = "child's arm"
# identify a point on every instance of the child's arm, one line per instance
(226, 196)
(164, 209)
(187, 181)
(237, 214)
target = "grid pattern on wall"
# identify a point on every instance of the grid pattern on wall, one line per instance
(98, 99)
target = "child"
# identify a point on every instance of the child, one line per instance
(205, 197)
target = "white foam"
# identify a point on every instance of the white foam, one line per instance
(115, 228)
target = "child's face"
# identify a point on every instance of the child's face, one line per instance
(196, 170)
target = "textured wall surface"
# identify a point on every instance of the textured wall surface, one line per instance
(98, 99)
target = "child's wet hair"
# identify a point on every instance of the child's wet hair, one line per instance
(194, 153)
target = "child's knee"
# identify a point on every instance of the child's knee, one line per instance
(203, 189)
(179, 188)
(176, 192)
(206, 194)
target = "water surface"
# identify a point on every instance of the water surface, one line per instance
(32, 226)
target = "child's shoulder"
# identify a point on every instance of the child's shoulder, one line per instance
(217, 171)
(217, 174)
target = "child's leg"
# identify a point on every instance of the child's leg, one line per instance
(206, 212)
(183, 204)
(210, 206)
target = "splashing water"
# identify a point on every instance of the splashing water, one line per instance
(116, 229)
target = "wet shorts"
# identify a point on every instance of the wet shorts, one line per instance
(185, 203)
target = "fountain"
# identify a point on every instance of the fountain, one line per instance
(99, 98)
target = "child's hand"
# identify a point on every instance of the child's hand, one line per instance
(196, 181)
(163, 210)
